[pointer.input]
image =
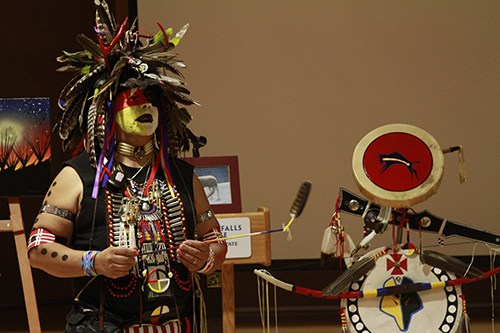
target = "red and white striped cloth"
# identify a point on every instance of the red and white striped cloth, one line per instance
(170, 327)
(39, 237)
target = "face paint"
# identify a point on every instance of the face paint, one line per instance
(135, 114)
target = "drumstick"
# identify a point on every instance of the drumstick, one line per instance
(295, 211)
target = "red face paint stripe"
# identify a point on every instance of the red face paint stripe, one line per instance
(125, 100)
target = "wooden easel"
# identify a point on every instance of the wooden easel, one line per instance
(261, 254)
(16, 226)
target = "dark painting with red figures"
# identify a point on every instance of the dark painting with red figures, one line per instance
(24, 146)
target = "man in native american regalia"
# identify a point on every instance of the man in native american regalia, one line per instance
(127, 219)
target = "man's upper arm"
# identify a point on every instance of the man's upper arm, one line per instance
(202, 205)
(61, 204)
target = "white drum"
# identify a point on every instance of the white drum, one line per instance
(435, 310)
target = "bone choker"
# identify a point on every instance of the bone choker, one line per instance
(137, 152)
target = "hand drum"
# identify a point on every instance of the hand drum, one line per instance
(398, 165)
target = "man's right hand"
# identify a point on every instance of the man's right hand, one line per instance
(115, 262)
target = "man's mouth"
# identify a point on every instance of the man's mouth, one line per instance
(145, 118)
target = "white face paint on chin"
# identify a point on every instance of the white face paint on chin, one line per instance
(140, 120)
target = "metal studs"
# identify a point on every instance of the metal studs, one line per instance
(425, 221)
(353, 205)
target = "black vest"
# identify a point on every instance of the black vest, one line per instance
(123, 296)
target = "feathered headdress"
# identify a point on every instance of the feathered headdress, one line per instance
(122, 59)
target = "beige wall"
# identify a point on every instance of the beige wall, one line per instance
(292, 86)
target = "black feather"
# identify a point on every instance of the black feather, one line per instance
(450, 264)
(90, 46)
(353, 274)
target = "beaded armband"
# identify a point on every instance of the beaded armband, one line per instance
(88, 262)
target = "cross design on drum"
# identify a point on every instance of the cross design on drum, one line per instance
(397, 265)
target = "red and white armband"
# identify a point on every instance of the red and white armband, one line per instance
(40, 236)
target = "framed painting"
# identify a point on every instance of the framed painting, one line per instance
(219, 176)
(24, 146)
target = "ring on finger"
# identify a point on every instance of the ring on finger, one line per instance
(195, 260)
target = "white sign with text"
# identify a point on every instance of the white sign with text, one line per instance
(237, 247)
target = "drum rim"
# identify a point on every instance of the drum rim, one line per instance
(401, 199)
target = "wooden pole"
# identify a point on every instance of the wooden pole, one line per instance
(228, 299)
(17, 226)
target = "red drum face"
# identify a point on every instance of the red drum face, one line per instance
(397, 162)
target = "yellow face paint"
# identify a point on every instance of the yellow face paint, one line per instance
(135, 114)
